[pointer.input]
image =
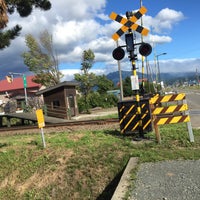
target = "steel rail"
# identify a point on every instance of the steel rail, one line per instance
(67, 124)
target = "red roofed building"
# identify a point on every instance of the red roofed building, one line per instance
(15, 89)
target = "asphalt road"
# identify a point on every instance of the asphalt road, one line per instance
(193, 101)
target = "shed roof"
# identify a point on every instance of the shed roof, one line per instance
(65, 83)
(18, 84)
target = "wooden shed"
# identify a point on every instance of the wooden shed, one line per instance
(60, 100)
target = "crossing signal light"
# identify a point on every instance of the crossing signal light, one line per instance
(145, 49)
(118, 53)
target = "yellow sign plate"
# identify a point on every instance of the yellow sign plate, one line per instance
(40, 118)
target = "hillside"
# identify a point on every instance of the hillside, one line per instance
(169, 78)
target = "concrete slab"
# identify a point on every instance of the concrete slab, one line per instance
(122, 187)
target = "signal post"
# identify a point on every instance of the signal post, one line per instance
(131, 114)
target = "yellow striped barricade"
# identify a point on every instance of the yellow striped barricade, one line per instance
(170, 109)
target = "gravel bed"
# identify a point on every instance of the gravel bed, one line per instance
(169, 180)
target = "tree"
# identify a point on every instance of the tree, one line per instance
(3, 14)
(41, 59)
(24, 8)
(86, 80)
(104, 84)
(127, 87)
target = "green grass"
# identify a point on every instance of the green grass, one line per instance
(84, 164)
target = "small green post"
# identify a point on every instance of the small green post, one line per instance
(24, 81)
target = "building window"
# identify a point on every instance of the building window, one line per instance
(56, 104)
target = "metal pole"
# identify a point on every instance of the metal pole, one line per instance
(137, 91)
(137, 96)
(25, 92)
(43, 139)
(120, 78)
(25, 85)
(26, 98)
(158, 66)
(142, 88)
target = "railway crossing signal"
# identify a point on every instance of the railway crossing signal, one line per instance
(129, 23)
(118, 54)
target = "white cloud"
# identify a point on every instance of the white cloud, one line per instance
(165, 20)
(76, 10)
(156, 39)
(74, 28)
(178, 65)
(75, 32)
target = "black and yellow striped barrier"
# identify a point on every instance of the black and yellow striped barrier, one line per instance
(176, 111)
(129, 119)
(169, 109)
(159, 111)
(167, 98)
(172, 120)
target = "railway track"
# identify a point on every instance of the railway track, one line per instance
(71, 125)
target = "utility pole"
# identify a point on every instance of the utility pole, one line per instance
(158, 68)
(197, 76)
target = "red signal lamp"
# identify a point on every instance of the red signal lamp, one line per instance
(118, 53)
(145, 49)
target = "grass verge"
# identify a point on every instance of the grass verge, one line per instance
(84, 164)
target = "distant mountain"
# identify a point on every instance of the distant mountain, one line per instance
(166, 77)
(114, 76)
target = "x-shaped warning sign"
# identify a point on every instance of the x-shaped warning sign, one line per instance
(129, 23)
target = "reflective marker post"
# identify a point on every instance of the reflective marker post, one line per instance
(41, 124)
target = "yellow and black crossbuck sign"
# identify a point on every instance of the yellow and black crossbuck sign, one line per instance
(129, 23)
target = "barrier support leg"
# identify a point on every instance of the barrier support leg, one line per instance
(158, 138)
(189, 125)
(190, 131)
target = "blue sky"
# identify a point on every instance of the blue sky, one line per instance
(184, 34)
(85, 24)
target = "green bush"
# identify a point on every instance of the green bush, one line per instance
(97, 100)
(81, 104)
(102, 100)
